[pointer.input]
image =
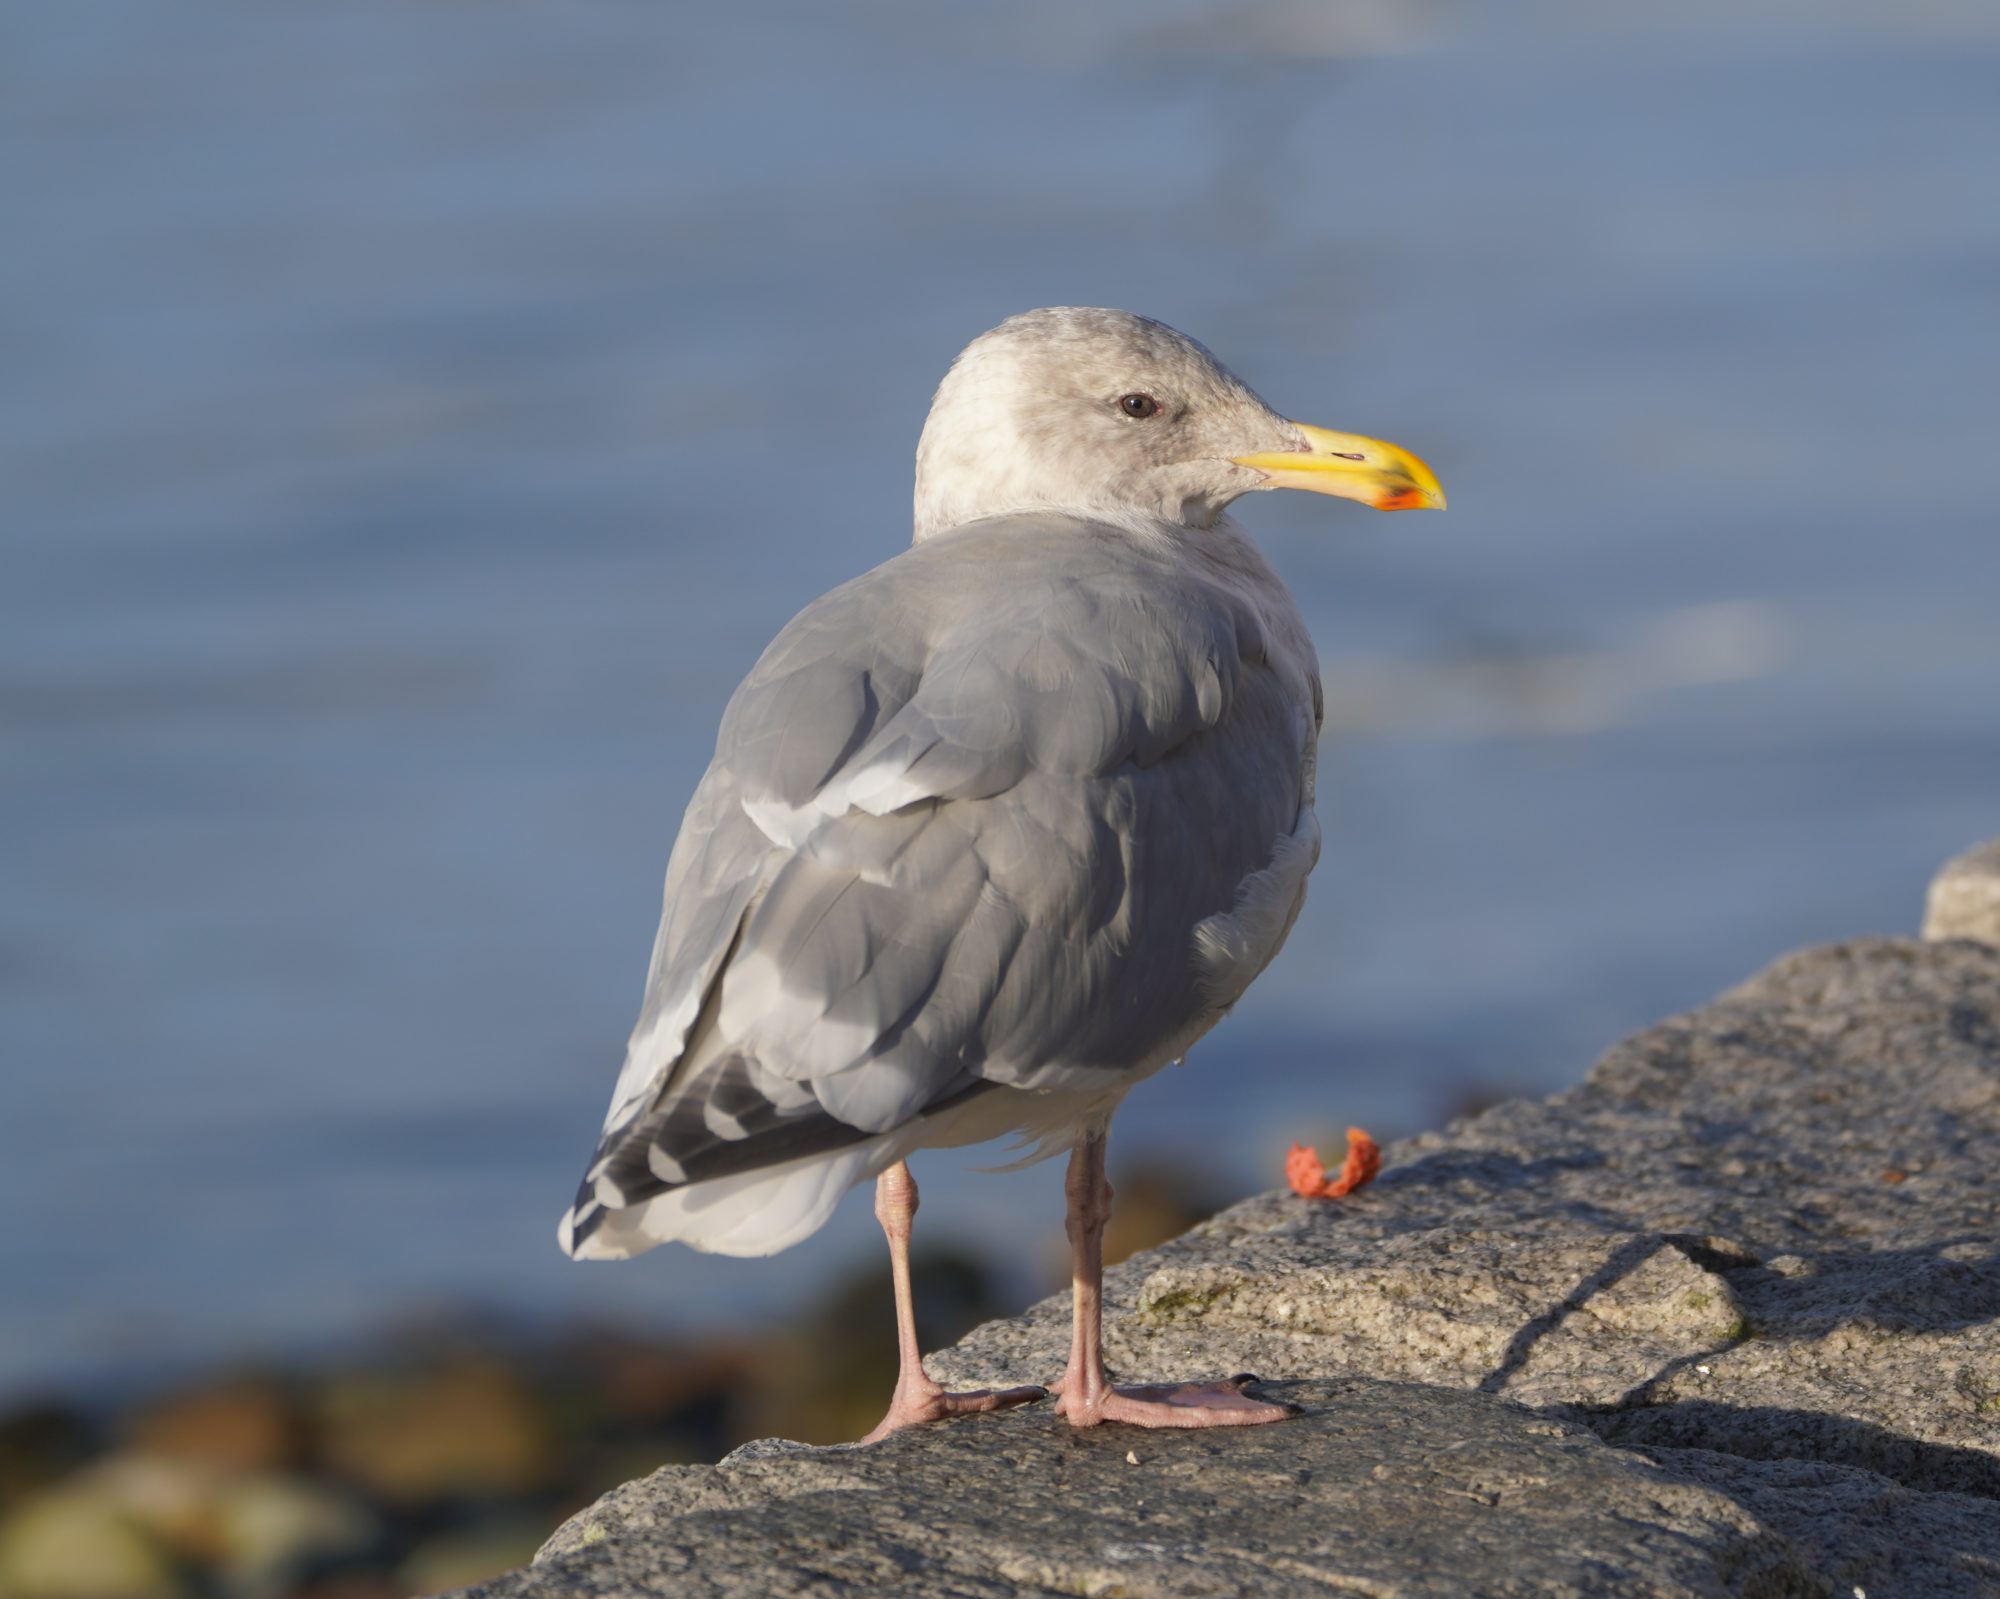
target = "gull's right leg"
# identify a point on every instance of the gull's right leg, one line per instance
(1085, 1395)
(917, 1398)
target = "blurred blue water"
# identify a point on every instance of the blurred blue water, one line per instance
(416, 417)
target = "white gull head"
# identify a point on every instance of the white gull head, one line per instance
(1117, 418)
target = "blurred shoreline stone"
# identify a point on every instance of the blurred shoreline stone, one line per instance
(1964, 898)
(1723, 1319)
(469, 1554)
(77, 1541)
(438, 1454)
(41, 1442)
(137, 1526)
(466, 1428)
(239, 1423)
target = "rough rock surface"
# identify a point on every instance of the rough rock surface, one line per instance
(1964, 901)
(1725, 1319)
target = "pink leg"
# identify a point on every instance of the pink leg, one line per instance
(917, 1398)
(1085, 1396)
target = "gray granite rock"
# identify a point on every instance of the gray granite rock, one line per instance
(1964, 899)
(1382, 1488)
(1725, 1319)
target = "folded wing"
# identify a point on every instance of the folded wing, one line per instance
(965, 818)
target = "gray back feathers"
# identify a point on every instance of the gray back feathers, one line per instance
(964, 818)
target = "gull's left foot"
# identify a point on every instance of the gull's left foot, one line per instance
(1187, 1404)
(913, 1405)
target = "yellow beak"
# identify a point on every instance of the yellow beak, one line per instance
(1376, 473)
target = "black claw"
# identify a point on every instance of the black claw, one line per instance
(1243, 1377)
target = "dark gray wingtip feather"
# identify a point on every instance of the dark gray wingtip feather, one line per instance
(583, 1219)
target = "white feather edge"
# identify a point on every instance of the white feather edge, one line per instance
(1231, 948)
(657, 1046)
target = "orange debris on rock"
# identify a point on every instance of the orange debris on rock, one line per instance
(1307, 1175)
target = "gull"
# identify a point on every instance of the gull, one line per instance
(993, 831)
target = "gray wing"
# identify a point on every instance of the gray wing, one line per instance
(964, 819)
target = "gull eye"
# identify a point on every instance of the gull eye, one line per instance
(1139, 406)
